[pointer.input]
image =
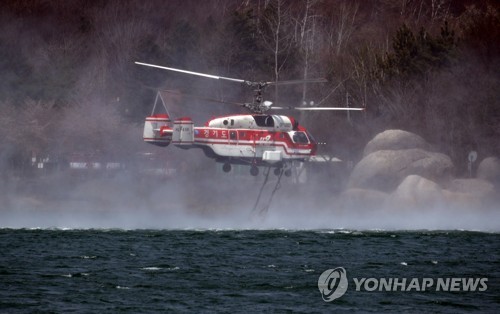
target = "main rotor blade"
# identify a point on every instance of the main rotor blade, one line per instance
(306, 81)
(202, 98)
(317, 108)
(191, 72)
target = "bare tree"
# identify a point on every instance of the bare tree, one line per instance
(342, 25)
(277, 37)
(92, 127)
(307, 39)
(28, 126)
(363, 61)
(419, 12)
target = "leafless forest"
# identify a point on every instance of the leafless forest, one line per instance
(69, 84)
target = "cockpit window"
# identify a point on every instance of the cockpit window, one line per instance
(299, 137)
(264, 120)
(311, 138)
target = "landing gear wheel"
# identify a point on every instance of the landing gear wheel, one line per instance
(226, 167)
(277, 171)
(254, 171)
(288, 172)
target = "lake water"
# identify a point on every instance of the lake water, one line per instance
(141, 271)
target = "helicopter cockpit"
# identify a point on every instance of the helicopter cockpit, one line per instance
(299, 137)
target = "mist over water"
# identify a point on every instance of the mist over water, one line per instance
(212, 200)
(69, 85)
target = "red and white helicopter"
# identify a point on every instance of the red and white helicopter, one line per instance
(256, 139)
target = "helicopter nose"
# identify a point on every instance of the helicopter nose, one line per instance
(314, 148)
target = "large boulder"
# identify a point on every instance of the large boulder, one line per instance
(361, 199)
(478, 187)
(471, 193)
(489, 169)
(394, 140)
(416, 192)
(457, 200)
(384, 170)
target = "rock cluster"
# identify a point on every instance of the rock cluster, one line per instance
(399, 171)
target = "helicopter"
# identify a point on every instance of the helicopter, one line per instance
(255, 139)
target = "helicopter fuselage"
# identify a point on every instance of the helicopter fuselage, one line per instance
(255, 139)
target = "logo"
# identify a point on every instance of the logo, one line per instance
(332, 284)
(421, 284)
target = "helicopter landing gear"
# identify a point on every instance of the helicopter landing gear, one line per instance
(277, 171)
(226, 167)
(283, 169)
(254, 171)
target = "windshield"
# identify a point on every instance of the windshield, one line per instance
(299, 137)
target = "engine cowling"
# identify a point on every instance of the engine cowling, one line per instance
(183, 134)
(158, 130)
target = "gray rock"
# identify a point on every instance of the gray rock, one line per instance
(394, 140)
(489, 169)
(416, 192)
(384, 170)
(471, 194)
(362, 199)
(477, 187)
